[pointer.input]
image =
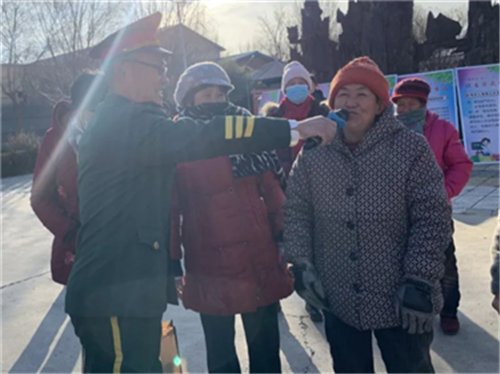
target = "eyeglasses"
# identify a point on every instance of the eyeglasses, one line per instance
(160, 69)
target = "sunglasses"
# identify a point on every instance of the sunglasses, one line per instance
(160, 69)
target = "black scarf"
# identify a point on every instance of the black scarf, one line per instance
(243, 165)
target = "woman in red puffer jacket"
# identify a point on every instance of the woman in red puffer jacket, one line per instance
(54, 192)
(54, 196)
(231, 209)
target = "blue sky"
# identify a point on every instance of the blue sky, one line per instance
(235, 20)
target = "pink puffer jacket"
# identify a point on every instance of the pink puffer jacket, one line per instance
(449, 152)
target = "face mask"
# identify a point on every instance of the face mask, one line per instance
(212, 108)
(414, 120)
(297, 93)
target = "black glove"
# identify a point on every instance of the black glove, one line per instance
(414, 306)
(308, 285)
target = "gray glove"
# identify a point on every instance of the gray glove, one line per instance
(308, 285)
(414, 306)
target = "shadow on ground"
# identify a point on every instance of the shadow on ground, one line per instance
(299, 356)
(460, 352)
(52, 348)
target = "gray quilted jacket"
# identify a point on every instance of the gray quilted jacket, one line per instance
(369, 218)
(494, 268)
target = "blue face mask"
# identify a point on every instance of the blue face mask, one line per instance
(297, 93)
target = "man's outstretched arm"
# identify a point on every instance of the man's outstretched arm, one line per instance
(164, 141)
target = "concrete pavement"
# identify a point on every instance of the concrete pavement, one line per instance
(481, 195)
(38, 337)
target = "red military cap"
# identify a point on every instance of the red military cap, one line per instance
(140, 35)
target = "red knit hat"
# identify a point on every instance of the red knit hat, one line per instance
(411, 87)
(361, 70)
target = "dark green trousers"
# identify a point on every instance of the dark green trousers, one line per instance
(119, 344)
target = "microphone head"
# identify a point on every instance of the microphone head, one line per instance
(340, 116)
(343, 113)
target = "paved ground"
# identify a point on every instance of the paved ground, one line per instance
(481, 194)
(37, 336)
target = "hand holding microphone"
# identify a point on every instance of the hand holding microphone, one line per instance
(320, 127)
(339, 116)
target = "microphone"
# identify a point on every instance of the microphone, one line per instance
(340, 116)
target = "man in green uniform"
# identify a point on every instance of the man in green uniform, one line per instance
(117, 291)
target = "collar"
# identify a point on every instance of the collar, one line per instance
(383, 127)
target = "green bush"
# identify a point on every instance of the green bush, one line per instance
(19, 154)
(22, 141)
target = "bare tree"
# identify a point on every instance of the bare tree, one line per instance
(247, 47)
(420, 15)
(330, 10)
(66, 29)
(16, 50)
(192, 14)
(419, 23)
(442, 54)
(273, 36)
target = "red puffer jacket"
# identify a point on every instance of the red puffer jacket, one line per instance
(228, 232)
(54, 196)
(449, 152)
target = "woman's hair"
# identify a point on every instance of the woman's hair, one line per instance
(88, 83)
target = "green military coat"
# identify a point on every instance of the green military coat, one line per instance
(127, 159)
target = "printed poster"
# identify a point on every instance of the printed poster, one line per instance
(442, 98)
(392, 79)
(478, 88)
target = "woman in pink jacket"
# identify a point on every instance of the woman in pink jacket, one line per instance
(410, 96)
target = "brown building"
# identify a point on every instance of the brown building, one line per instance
(188, 47)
